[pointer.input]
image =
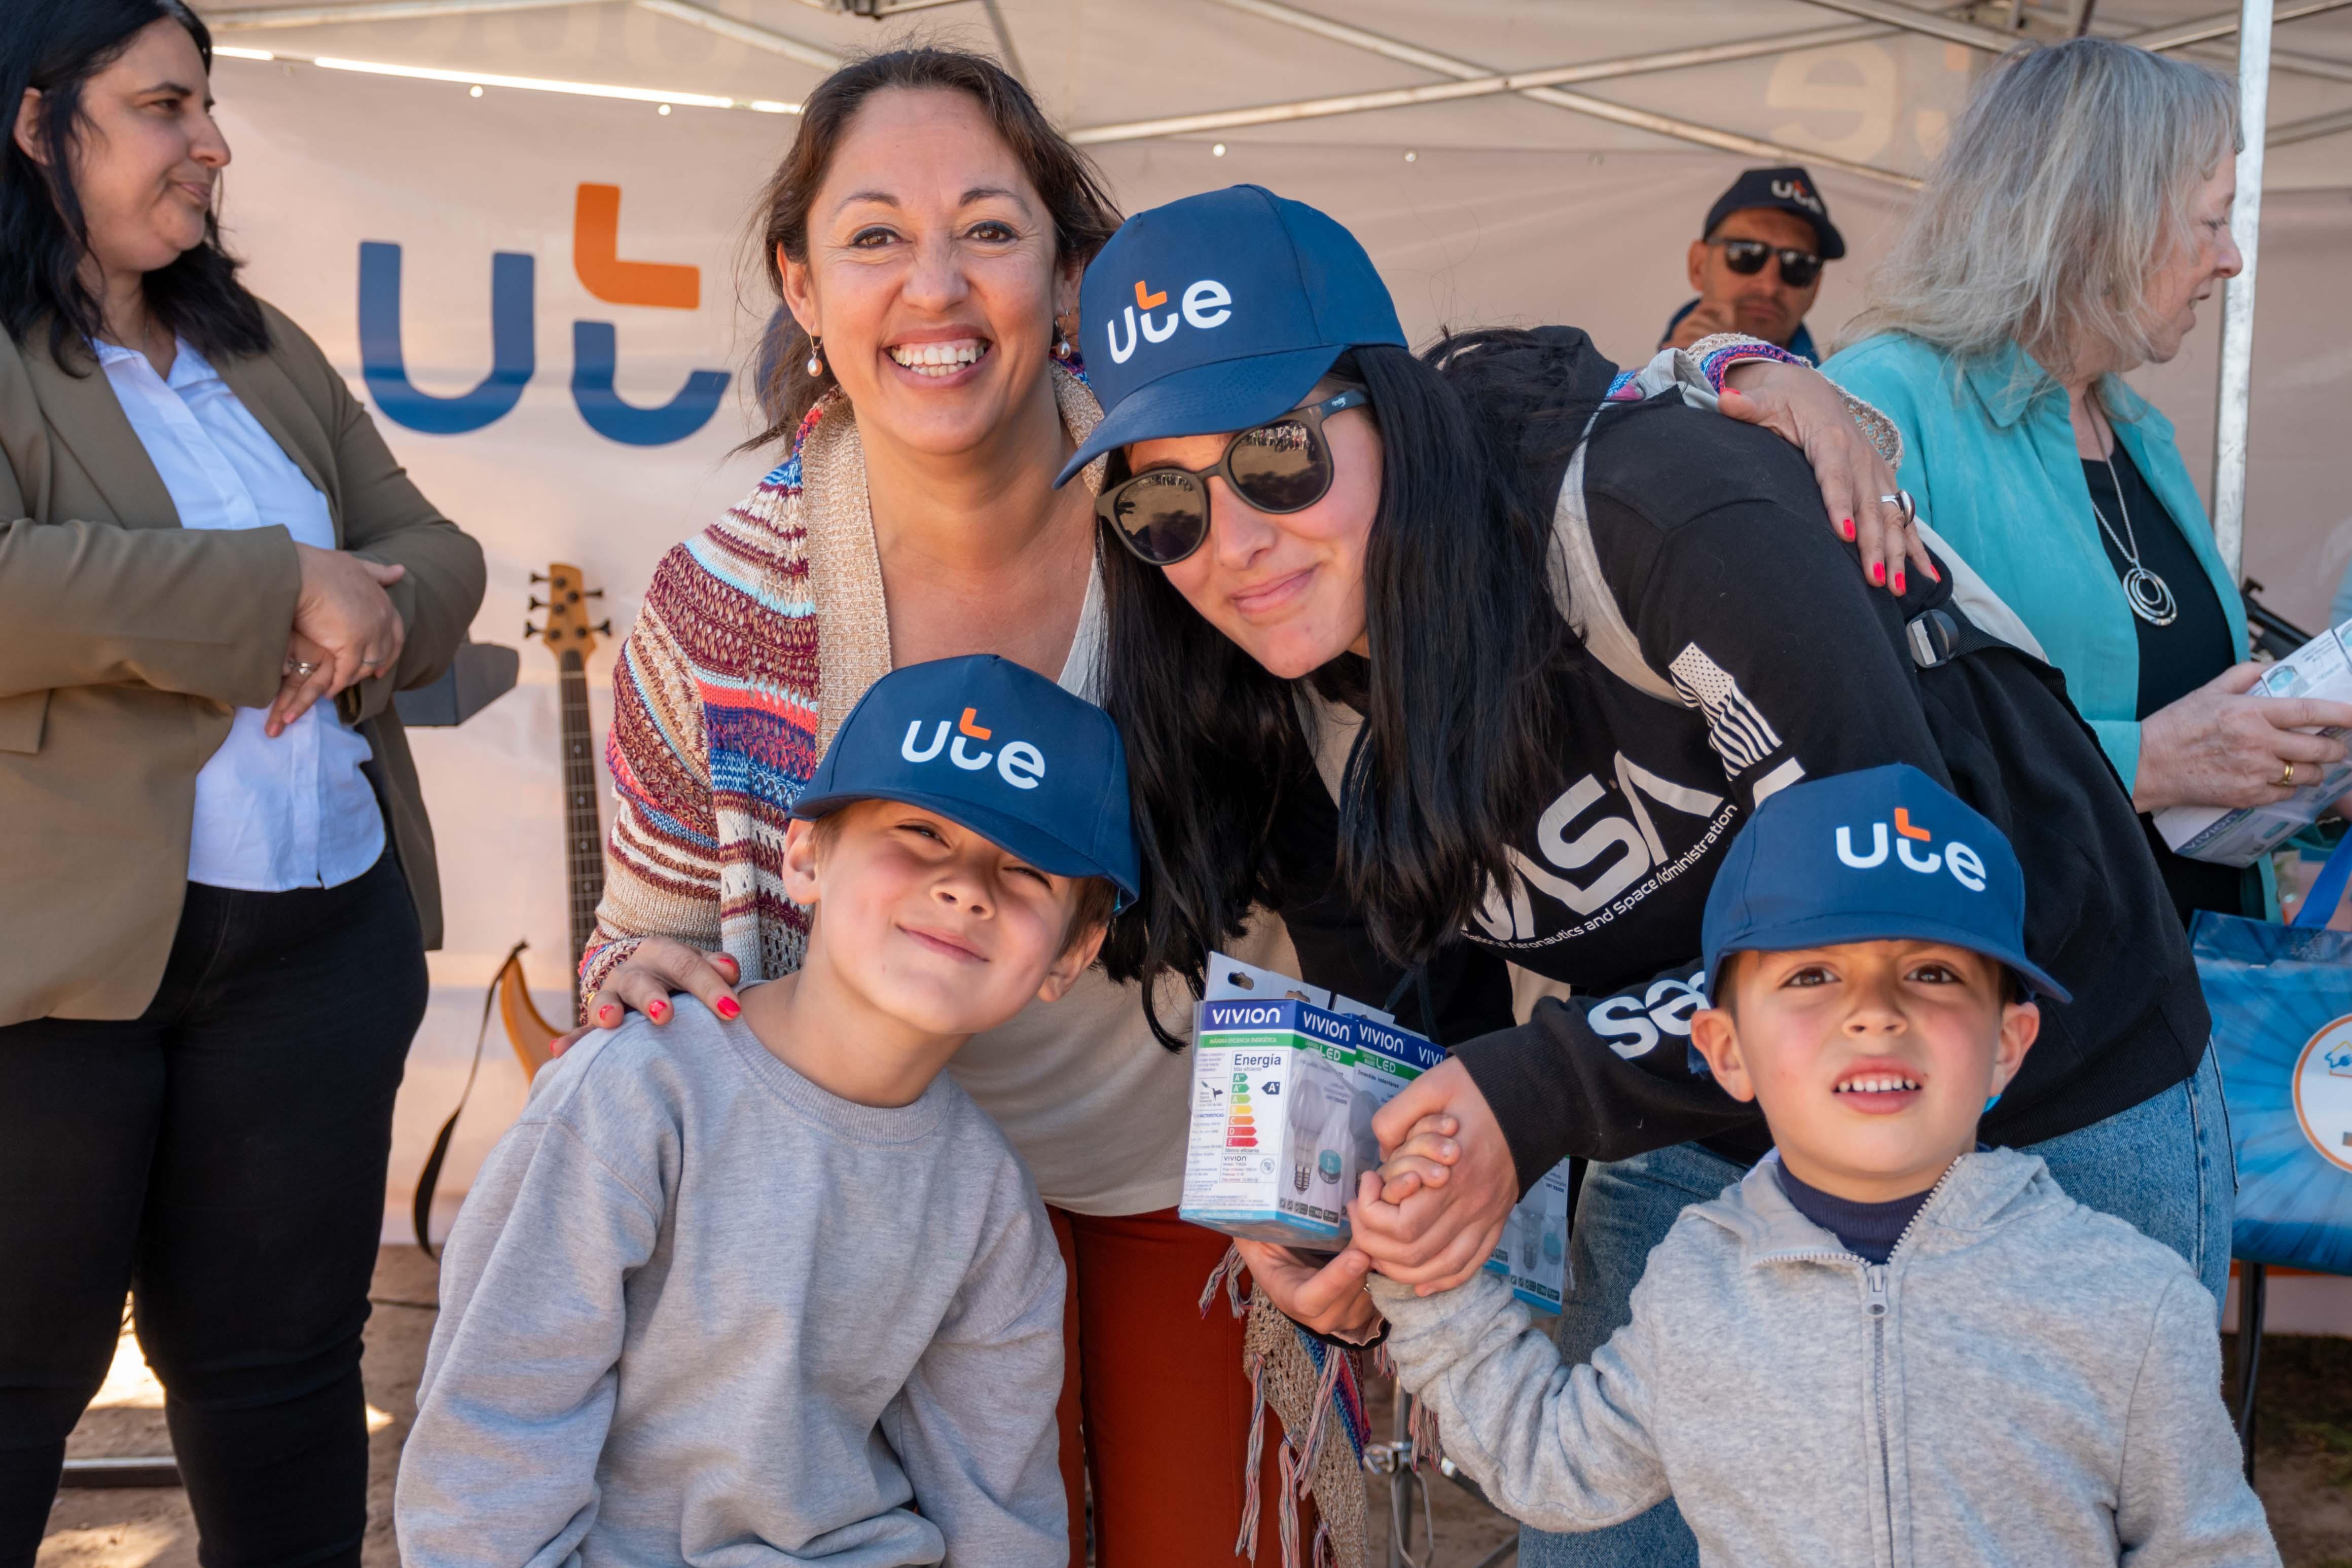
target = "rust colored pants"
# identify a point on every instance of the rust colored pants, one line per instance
(1159, 1393)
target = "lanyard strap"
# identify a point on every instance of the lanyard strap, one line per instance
(2328, 891)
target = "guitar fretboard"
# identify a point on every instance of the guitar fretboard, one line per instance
(583, 835)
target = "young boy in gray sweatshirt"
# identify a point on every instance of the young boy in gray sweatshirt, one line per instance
(773, 1290)
(1884, 1346)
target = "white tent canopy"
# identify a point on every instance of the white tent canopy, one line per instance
(1504, 160)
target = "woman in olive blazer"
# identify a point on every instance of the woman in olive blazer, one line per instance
(219, 880)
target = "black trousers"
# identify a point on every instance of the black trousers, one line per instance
(221, 1159)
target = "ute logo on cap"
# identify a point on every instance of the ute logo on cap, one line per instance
(1206, 305)
(1967, 867)
(1018, 763)
(1794, 191)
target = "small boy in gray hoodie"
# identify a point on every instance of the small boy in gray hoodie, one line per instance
(1885, 1345)
(772, 1290)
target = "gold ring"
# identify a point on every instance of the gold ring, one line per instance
(303, 669)
(2286, 777)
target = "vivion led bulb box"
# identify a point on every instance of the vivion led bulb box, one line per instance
(1273, 1153)
(1286, 1079)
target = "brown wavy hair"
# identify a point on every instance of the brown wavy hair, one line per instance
(1067, 180)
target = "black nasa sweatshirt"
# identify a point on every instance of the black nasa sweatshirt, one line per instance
(1712, 536)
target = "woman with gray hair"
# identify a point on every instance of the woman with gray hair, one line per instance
(2065, 236)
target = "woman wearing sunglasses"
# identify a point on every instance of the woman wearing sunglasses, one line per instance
(1495, 646)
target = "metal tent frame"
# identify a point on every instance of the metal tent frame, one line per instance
(1962, 24)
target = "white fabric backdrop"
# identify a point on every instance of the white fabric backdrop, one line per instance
(1510, 212)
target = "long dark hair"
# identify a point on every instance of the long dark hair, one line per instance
(1456, 750)
(1066, 181)
(55, 47)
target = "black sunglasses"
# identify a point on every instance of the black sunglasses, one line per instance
(1747, 256)
(1282, 465)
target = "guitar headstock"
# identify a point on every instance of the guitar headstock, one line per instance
(568, 629)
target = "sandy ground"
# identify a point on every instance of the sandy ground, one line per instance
(2304, 1470)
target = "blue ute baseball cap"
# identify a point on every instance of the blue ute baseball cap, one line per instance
(997, 747)
(1865, 857)
(1219, 312)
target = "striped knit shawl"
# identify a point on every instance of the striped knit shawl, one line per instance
(757, 637)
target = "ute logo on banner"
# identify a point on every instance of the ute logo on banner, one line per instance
(595, 227)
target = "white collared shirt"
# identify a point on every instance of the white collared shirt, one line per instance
(271, 815)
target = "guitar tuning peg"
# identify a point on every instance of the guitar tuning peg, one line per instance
(537, 578)
(537, 603)
(596, 593)
(530, 631)
(605, 627)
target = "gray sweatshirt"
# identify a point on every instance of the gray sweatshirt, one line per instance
(2024, 1382)
(698, 1309)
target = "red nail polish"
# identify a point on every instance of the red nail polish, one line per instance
(1846, 528)
(1878, 572)
(606, 1013)
(1933, 573)
(654, 1010)
(728, 1008)
(1898, 582)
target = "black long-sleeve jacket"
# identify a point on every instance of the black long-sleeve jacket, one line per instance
(1711, 535)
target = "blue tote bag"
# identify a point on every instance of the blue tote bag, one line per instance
(2282, 1002)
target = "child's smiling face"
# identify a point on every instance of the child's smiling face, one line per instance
(1872, 1061)
(932, 924)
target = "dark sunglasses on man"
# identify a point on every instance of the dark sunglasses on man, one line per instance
(1283, 465)
(1747, 257)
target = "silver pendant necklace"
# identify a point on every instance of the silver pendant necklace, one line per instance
(2149, 596)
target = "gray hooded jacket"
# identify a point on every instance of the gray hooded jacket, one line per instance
(2024, 1382)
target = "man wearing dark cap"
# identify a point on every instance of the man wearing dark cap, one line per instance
(1757, 264)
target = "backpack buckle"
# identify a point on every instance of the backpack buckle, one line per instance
(1935, 638)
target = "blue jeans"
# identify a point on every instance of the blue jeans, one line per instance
(2166, 1165)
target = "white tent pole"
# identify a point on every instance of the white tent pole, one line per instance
(1004, 40)
(270, 17)
(2318, 125)
(727, 27)
(2221, 25)
(1476, 81)
(2238, 298)
(703, 17)
(2226, 23)
(1532, 83)
(2284, 60)
(2196, 30)
(1911, 19)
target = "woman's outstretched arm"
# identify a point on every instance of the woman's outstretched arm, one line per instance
(657, 925)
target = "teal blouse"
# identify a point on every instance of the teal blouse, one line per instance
(1988, 454)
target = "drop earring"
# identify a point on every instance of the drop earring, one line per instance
(1061, 342)
(815, 358)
